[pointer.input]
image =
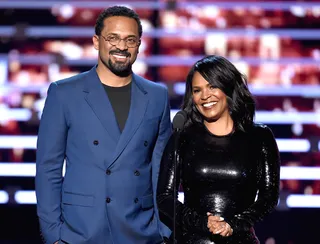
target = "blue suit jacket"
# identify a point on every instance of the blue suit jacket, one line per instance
(109, 189)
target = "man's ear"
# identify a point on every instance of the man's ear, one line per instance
(95, 41)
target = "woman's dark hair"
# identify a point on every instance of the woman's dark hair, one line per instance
(117, 11)
(222, 74)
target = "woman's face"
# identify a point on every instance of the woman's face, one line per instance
(211, 102)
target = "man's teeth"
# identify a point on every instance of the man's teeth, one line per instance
(119, 56)
(209, 104)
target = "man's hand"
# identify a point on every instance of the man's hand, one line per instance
(217, 225)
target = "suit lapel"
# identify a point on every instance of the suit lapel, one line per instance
(98, 100)
(138, 106)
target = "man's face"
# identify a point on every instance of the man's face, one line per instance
(118, 32)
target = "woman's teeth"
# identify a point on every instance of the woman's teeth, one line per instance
(209, 104)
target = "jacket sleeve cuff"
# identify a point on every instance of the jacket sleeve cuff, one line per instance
(51, 234)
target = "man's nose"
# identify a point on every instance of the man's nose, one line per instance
(122, 45)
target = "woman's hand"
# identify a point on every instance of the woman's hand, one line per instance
(217, 225)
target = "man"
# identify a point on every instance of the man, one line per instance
(110, 126)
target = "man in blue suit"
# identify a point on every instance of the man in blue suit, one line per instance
(110, 126)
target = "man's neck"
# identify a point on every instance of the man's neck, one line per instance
(110, 79)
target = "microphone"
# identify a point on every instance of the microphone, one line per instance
(179, 120)
(178, 123)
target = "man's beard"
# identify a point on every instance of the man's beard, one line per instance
(119, 69)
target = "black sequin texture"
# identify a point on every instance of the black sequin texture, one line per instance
(235, 176)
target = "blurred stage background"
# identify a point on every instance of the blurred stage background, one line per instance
(276, 44)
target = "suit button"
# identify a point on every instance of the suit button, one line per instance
(136, 200)
(136, 173)
(145, 143)
(95, 142)
(108, 200)
(108, 172)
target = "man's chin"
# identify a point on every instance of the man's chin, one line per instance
(120, 69)
(120, 65)
(121, 72)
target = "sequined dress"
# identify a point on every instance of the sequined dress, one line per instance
(222, 175)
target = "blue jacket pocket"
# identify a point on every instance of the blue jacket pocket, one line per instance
(69, 198)
(147, 201)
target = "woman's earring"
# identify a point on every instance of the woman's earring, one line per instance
(194, 108)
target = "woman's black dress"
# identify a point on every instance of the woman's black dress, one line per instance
(235, 176)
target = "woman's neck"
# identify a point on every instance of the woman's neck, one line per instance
(221, 127)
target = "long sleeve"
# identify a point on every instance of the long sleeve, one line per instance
(186, 218)
(50, 156)
(268, 184)
(163, 137)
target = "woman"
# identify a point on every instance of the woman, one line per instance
(228, 168)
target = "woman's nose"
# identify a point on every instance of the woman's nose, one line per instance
(205, 94)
